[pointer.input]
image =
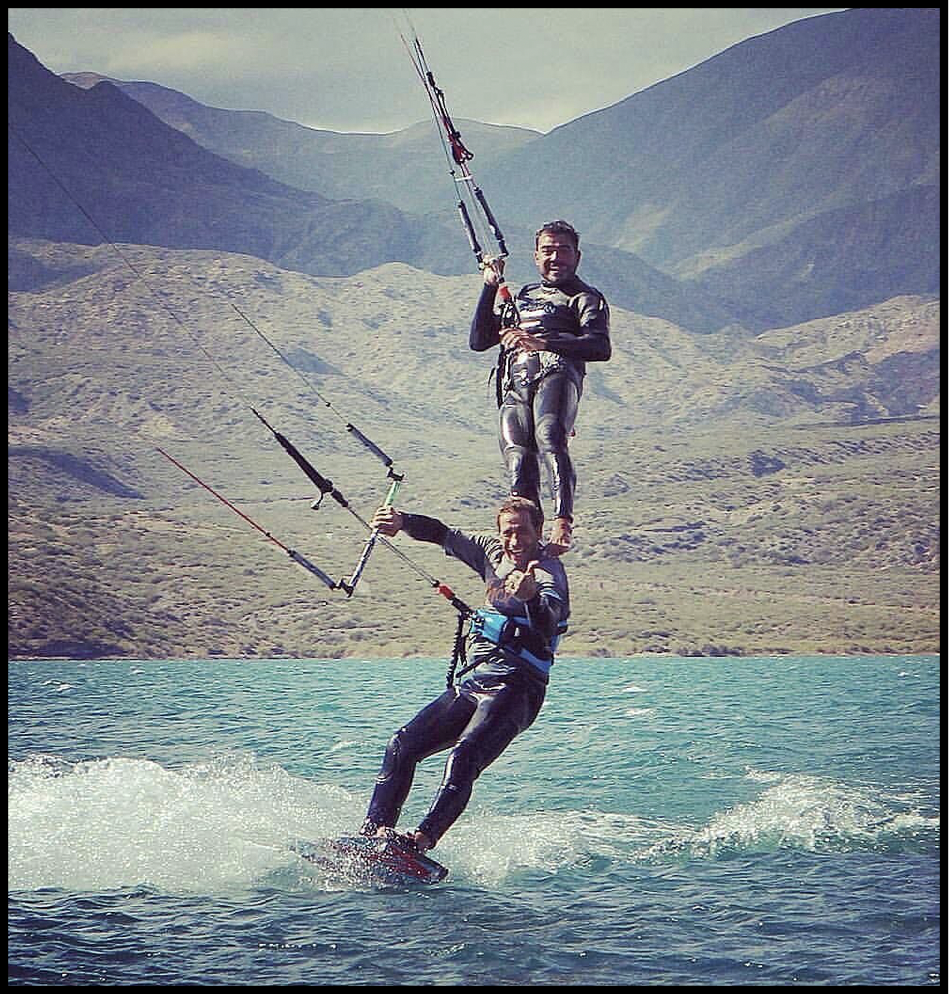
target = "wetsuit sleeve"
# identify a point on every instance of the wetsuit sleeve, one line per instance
(473, 550)
(424, 529)
(592, 344)
(486, 324)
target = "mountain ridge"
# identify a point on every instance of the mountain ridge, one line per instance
(756, 478)
(142, 182)
(713, 177)
(401, 168)
(737, 496)
(830, 113)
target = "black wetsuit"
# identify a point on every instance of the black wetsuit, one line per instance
(538, 392)
(478, 717)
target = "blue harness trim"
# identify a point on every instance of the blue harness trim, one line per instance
(516, 636)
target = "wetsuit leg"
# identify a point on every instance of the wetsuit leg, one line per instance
(498, 718)
(516, 437)
(434, 728)
(556, 399)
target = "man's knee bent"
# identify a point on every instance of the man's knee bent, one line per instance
(399, 752)
(464, 765)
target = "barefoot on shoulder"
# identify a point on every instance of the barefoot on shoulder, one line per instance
(561, 537)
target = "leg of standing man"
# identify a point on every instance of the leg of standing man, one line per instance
(556, 399)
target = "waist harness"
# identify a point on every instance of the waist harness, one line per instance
(518, 372)
(516, 637)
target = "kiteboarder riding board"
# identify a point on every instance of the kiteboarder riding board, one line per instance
(389, 860)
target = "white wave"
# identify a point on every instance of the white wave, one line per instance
(489, 848)
(118, 822)
(345, 744)
(806, 812)
(124, 823)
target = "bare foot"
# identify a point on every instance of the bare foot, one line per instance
(418, 839)
(561, 537)
(421, 840)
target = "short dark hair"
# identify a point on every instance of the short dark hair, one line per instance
(515, 504)
(558, 228)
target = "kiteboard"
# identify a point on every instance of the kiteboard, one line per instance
(388, 860)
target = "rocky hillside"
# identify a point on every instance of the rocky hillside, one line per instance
(737, 495)
(759, 460)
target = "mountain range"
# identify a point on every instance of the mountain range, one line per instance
(794, 175)
(397, 168)
(758, 461)
(144, 182)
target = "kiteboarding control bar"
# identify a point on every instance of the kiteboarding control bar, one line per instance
(326, 487)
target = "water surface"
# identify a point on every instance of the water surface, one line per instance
(665, 821)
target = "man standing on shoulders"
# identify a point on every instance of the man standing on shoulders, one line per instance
(511, 647)
(552, 330)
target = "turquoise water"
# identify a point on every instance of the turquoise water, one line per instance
(665, 821)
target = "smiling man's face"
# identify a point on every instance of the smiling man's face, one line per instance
(556, 257)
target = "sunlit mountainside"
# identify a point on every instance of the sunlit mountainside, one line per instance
(759, 468)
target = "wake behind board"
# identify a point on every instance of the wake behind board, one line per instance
(380, 860)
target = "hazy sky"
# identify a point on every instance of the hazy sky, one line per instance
(345, 69)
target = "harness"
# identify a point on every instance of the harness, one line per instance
(519, 371)
(516, 636)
